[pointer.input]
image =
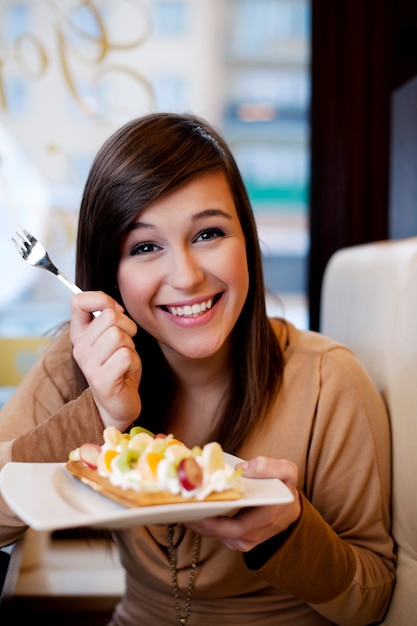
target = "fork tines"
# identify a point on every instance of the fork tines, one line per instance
(27, 241)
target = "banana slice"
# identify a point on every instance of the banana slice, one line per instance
(212, 457)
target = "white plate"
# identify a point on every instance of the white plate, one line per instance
(47, 497)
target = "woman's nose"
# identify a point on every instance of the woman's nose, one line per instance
(185, 271)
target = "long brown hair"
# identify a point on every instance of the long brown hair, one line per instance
(146, 159)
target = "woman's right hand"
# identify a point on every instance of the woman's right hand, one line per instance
(104, 349)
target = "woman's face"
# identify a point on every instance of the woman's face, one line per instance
(183, 273)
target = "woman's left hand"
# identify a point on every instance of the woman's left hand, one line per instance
(252, 526)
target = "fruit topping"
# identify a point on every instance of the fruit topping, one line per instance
(139, 429)
(190, 473)
(139, 442)
(89, 453)
(153, 459)
(212, 457)
(105, 459)
(146, 462)
(127, 460)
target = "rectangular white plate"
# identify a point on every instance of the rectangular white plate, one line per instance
(46, 497)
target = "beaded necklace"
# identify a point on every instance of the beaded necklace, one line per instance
(182, 619)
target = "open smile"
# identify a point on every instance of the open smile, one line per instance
(191, 310)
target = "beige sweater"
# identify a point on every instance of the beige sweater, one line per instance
(337, 564)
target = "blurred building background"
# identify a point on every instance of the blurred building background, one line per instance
(72, 71)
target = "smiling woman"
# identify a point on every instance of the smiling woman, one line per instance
(184, 266)
(168, 251)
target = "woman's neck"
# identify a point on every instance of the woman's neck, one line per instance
(201, 387)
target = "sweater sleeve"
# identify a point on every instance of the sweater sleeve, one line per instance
(51, 441)
(339, 556)
(318, 549)
(313, 564)
(43, 422)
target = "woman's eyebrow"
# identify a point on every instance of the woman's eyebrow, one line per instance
(211, 213)
(138, 225)
(195, 218)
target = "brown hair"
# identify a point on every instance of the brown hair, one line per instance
(146, 159)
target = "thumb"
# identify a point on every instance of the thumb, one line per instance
(266, 467)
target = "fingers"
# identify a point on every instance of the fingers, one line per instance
(109, 358)
(266, 467)
(233, 532)
(104, 349)
(249, 527)
(97, 340)
(252, 526)
(112, 314)
(89, 301)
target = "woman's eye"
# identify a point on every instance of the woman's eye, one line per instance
(209, 233)
(143, 248)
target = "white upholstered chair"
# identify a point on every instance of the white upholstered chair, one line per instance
(369, 303)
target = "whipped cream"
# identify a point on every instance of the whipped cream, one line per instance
(143, 462)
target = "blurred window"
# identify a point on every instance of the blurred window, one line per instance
(73, 72)
(170, 92)
(170, 19)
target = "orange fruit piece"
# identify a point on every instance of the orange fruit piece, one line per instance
(108, 457)
(153, 459)
(172, 442)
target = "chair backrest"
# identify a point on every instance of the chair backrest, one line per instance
(369, 303)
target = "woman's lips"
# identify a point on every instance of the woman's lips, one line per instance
(191, 310)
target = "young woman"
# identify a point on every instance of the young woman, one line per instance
(168, 251)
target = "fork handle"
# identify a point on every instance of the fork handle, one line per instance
(73, 287)
(68, 283)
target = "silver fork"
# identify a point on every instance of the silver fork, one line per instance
(32, 251)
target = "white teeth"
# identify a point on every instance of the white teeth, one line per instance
(191, 311)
